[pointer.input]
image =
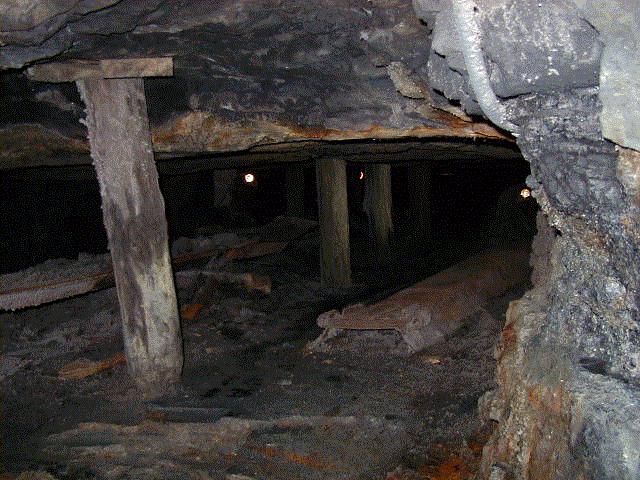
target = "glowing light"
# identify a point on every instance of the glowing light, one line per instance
(361, 176)
(525, 193)
(249, 178)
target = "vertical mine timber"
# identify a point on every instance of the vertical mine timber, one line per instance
(295, 190)
(419, 184)
(134, 217)
(223, 186)
(333, 213)
(377, 205)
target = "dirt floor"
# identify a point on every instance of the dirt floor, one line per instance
(256, 401)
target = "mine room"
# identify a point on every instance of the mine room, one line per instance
(375, 239)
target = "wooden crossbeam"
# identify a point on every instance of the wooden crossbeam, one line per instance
(73, 70)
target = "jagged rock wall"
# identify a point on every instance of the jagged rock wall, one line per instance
(568, 405)
(532, 46)
(568, 402)
(528, 46)
(617, 24)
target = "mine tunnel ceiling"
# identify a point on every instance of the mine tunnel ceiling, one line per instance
(436, 151)
(272, 79)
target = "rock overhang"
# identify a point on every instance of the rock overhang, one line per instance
(246, 74)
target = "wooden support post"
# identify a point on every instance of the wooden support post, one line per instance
(333, 212)
(377, 205)
(223, 186)
(419, 185)
(134, 216)
(295, 190)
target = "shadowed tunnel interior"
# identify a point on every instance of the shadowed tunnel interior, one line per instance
(375, 239)
(462, 198)
(256, 324)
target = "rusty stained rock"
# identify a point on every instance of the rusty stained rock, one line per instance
(304, 71)
(28, 144)
(202, 132)
(520, 435)
(567, 402)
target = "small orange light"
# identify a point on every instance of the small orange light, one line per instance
(525, 193)
(361, 176)
(249, 178)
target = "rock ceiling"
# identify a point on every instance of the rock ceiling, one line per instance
(247, 74)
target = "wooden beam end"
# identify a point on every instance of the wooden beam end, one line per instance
(74, 70)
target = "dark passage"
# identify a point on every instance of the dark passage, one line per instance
(255, 358)
(55, 212)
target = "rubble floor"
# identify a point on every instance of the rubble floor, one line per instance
(247, 358)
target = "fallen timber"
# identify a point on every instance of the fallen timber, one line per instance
(68, 278)
(429, 310)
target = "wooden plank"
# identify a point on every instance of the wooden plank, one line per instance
(255, 250)
(64, 71)
(38, 293)
(333, 212)
(74, 70)
(137, 67)
(188, 439)
(419, 185)
(295, 190)
(83, 367)
(377, 205)
(20, 290)
(67, 278)
(427, 311)
(133, 213)
(286, 229)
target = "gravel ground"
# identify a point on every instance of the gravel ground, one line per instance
(247, 355)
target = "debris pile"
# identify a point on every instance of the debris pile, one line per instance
(199, 287)
(63, 278)
(296, 447)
